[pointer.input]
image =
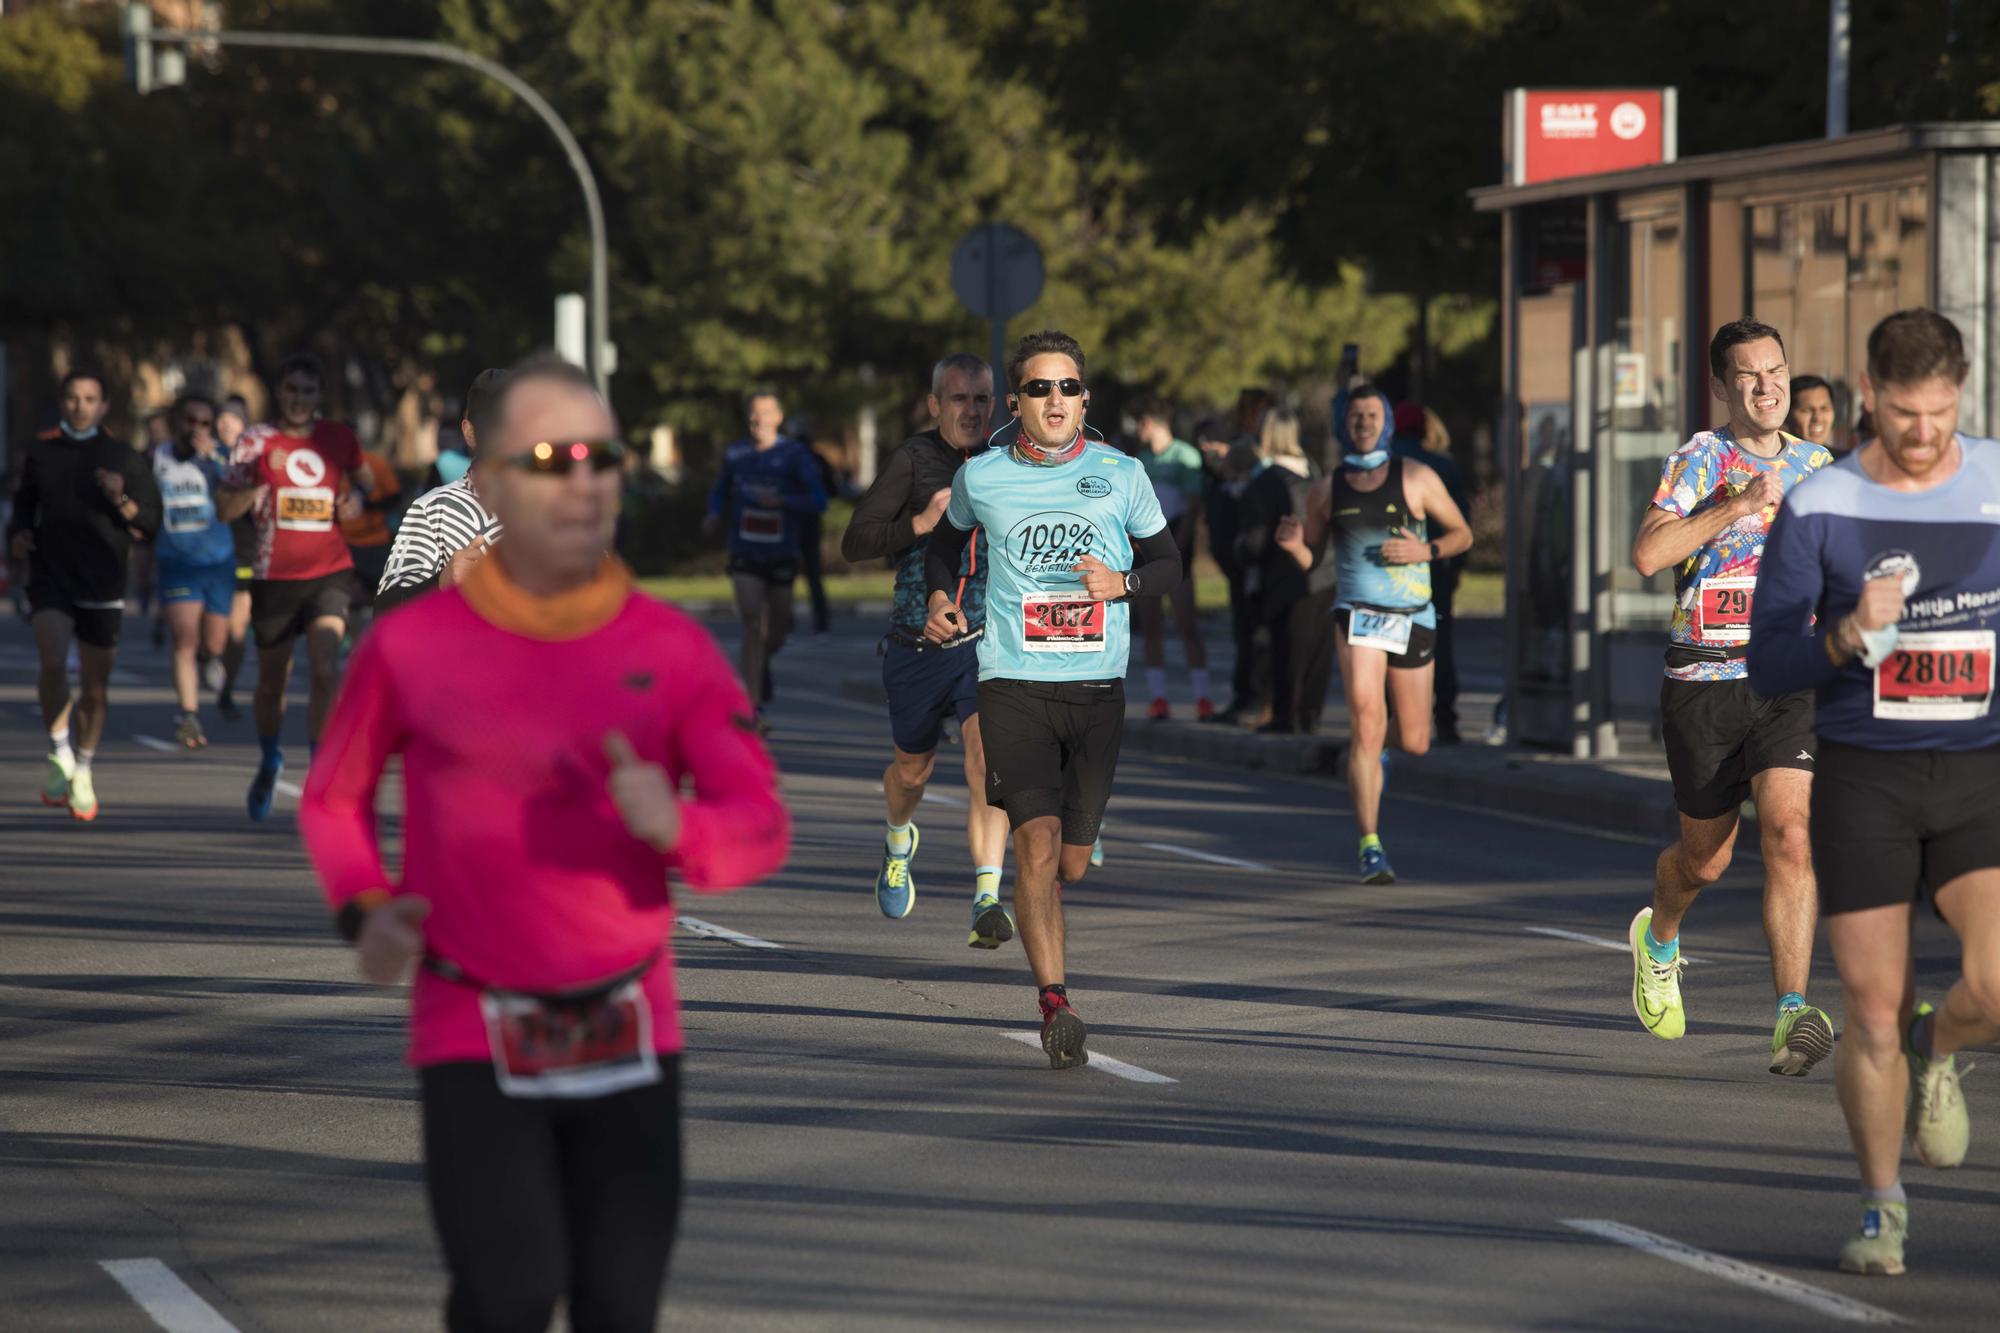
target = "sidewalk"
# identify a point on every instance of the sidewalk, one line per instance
(1631, 793)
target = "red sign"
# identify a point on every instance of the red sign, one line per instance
(1555, 133)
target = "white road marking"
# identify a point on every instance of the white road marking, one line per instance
(1538, 821)
(696, 927)
(167, 747)
(288, 788)
(164, 1297)
(1829, 1303)
(1620, 946)
(1102, 1063)
(1211, 857)
(937, 799)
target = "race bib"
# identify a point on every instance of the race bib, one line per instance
(1062, 622)
(1387, 630)
(189, 517)
(1943, 676)
(1722, 609)
(571, 1048)
(761, 525)
(305, 508)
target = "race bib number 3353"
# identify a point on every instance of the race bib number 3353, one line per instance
(305, 508)
(1944, 676)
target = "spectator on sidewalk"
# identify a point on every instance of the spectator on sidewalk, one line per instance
(1421, 435)
(1175, 469)
(1228, 467)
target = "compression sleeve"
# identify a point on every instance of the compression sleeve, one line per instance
(1156, 561)
(942, 557)
(1787, 652)
(337, 809)
(734, 829)
(144, 489)
(880, 527)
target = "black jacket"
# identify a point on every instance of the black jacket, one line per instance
(82, 545)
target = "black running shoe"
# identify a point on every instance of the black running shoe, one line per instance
(1063, 1033)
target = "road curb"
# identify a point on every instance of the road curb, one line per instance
(1499, 778)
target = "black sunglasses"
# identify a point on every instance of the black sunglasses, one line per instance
(558, 459)
(1043, 388)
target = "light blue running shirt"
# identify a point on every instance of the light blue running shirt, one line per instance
(1039, 522)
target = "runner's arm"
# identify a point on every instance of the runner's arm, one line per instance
(880, 527)
(337, 810)
(233, 502)
(942, 556)
(415, 564)
(809, 495)
(718, 494)
(144, 491)
(1787, 650)
(1156, 562)
(734, 830)
(1441, 511)
(1665, 538)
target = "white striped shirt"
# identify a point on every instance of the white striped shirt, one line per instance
(439, 525)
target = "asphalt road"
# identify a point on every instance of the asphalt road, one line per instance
(1387, 1106)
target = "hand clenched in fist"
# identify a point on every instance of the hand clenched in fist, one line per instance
(644, 796)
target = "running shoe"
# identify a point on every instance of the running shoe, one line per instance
(1204, 710)
(55, 783)
(895, 891)
(1159, 711)
(211, 674)
(1656, 986)
(1375, 867)
(1803, 1039)
(83, 804)
(187, 732)
(264, 790)
(992, 924)
(1878, 1246)
(1063, 1033)
(1939, 1126)
(1097, 851)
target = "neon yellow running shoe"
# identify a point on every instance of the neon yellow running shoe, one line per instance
(1877, 1247)
(1939, 1126)
(82, 796)
(55, 783)
(1656, 986)
(1803, 1039)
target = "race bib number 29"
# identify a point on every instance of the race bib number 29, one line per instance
(1945, 676)
(1722, 611)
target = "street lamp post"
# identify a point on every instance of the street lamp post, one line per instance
(600, 284)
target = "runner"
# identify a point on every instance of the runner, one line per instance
(197, 555)
(1174, 468)
(231, 420)
(1070, 518)
(1385, 628)
(82, 499)
(303, 474)
(368, 535)
(1724, 741)
(1881, 591)
(767, 482)
(544, 1026)
(447, 530)
(927, 683)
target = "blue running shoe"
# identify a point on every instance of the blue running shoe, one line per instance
(895, 891)
(1097, 851)
(264, 789)
(1375, 867)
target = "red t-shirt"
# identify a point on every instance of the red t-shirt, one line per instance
(300, 481)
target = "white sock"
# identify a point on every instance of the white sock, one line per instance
(1199, 675)
(1156, 682)
(83, 758)
(900, 839)
(59, 745)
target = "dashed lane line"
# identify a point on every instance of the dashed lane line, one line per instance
(695, 926)
(1829, 1303)
(168, 747)
(1213, 858)
(1102, 1063)
(1619, 946)
(167, 1301)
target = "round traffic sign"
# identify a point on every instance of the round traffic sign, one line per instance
(997, 270)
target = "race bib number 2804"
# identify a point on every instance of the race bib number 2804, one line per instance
(1943, 676)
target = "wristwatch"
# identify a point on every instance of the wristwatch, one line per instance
(1131, 584)
(1434, 550)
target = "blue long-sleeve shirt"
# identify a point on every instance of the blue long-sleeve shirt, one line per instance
(1837, 529)
(762, 494)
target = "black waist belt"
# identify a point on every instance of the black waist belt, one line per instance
(584, 994)
(920, 644)
(1683, 655)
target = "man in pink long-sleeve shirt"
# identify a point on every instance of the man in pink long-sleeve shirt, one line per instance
(543, 826)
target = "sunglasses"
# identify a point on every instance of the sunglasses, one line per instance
(559, 459)
(195, 422)
(1043, 388)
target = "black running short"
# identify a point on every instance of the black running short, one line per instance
(97, 623)
(1891, 825)
(1423, 642)
(1719, 736)
(1052, 749)
(283, 609)
(778, 573)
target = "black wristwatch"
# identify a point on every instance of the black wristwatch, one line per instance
(1434, 550)
(1131, 584)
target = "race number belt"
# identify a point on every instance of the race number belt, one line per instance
(1722, 608)
(1062, 622)
(588, 1042)
(1375, 627)
(1942, 676)
(761, 525)
(305, 508)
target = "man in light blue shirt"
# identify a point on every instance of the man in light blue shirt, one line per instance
(1073, 532)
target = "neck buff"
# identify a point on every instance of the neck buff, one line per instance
(77, 435)
(1367, 462)
(1027, 451)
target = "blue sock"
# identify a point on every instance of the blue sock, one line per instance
(1791, 1000)
(272, 755)
(1662, 953)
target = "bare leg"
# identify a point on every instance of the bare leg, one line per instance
(1970, 1014)
(777, 621)
(1871, 950)
(274, 669)
(985, 825)
(904, 781)
(184, 624)
(93, 693)
(1364, 677)
(1791, 895)
(1410, 701)
(1688, 867)
(750, 593)
(54, 632)
(323, 671)
(1037, 903)
(239, 637)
